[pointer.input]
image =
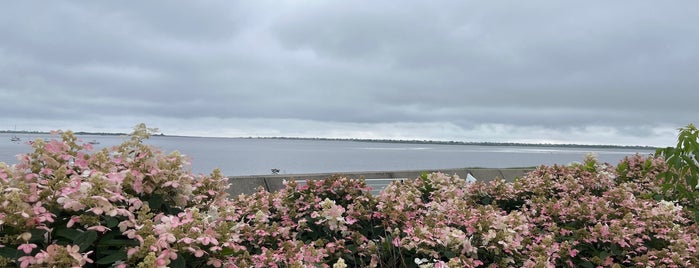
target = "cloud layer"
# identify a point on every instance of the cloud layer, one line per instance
(617, 72)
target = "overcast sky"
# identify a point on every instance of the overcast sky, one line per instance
(594, 72)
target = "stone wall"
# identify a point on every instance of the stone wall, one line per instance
(376, 179)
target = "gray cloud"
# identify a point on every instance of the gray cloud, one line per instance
(388, 69)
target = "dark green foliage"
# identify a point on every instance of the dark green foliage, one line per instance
(682, 174)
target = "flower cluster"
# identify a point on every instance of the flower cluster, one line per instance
(608, 221)
(63, 205)
(134, 206)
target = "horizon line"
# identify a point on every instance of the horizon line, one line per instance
(383, 140)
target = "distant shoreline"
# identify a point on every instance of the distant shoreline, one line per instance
(76, 133)
(517, 144)
(512, 144)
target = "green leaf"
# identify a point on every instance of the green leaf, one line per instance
(686, 159)
(647, 165)
(227, 251)
(112, 258)
(115, 238)
(486, 200)
(110, 222)
(155, 201)
(10, 253)
(673, 160)
(172, 210)
(37, 235)
(616, 251)
(179, 262)
(85, 240)
(692, 181)
(587, 264)
(693, 169)
(686, 146)
(67, 233)
(657, 243)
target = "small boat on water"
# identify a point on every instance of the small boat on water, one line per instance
(14, 138)
(93, 142)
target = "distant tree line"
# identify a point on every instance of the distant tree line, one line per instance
(76, 133)
(600, 146)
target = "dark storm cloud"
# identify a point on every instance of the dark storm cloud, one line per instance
(389, 67)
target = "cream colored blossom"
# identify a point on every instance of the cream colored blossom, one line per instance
(340, 264)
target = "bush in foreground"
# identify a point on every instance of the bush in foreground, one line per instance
(133, 206)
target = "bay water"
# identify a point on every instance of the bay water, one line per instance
(242, 156)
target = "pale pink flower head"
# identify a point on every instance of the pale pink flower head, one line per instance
(26, 247)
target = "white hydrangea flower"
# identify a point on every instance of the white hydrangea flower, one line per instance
(340, 263)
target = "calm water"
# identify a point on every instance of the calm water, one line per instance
(258, 156)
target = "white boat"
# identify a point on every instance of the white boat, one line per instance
(14, 137)
(93, 142)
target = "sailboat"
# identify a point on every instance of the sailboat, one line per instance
(14, 137)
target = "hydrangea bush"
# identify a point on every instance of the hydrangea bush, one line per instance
(134, 206)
